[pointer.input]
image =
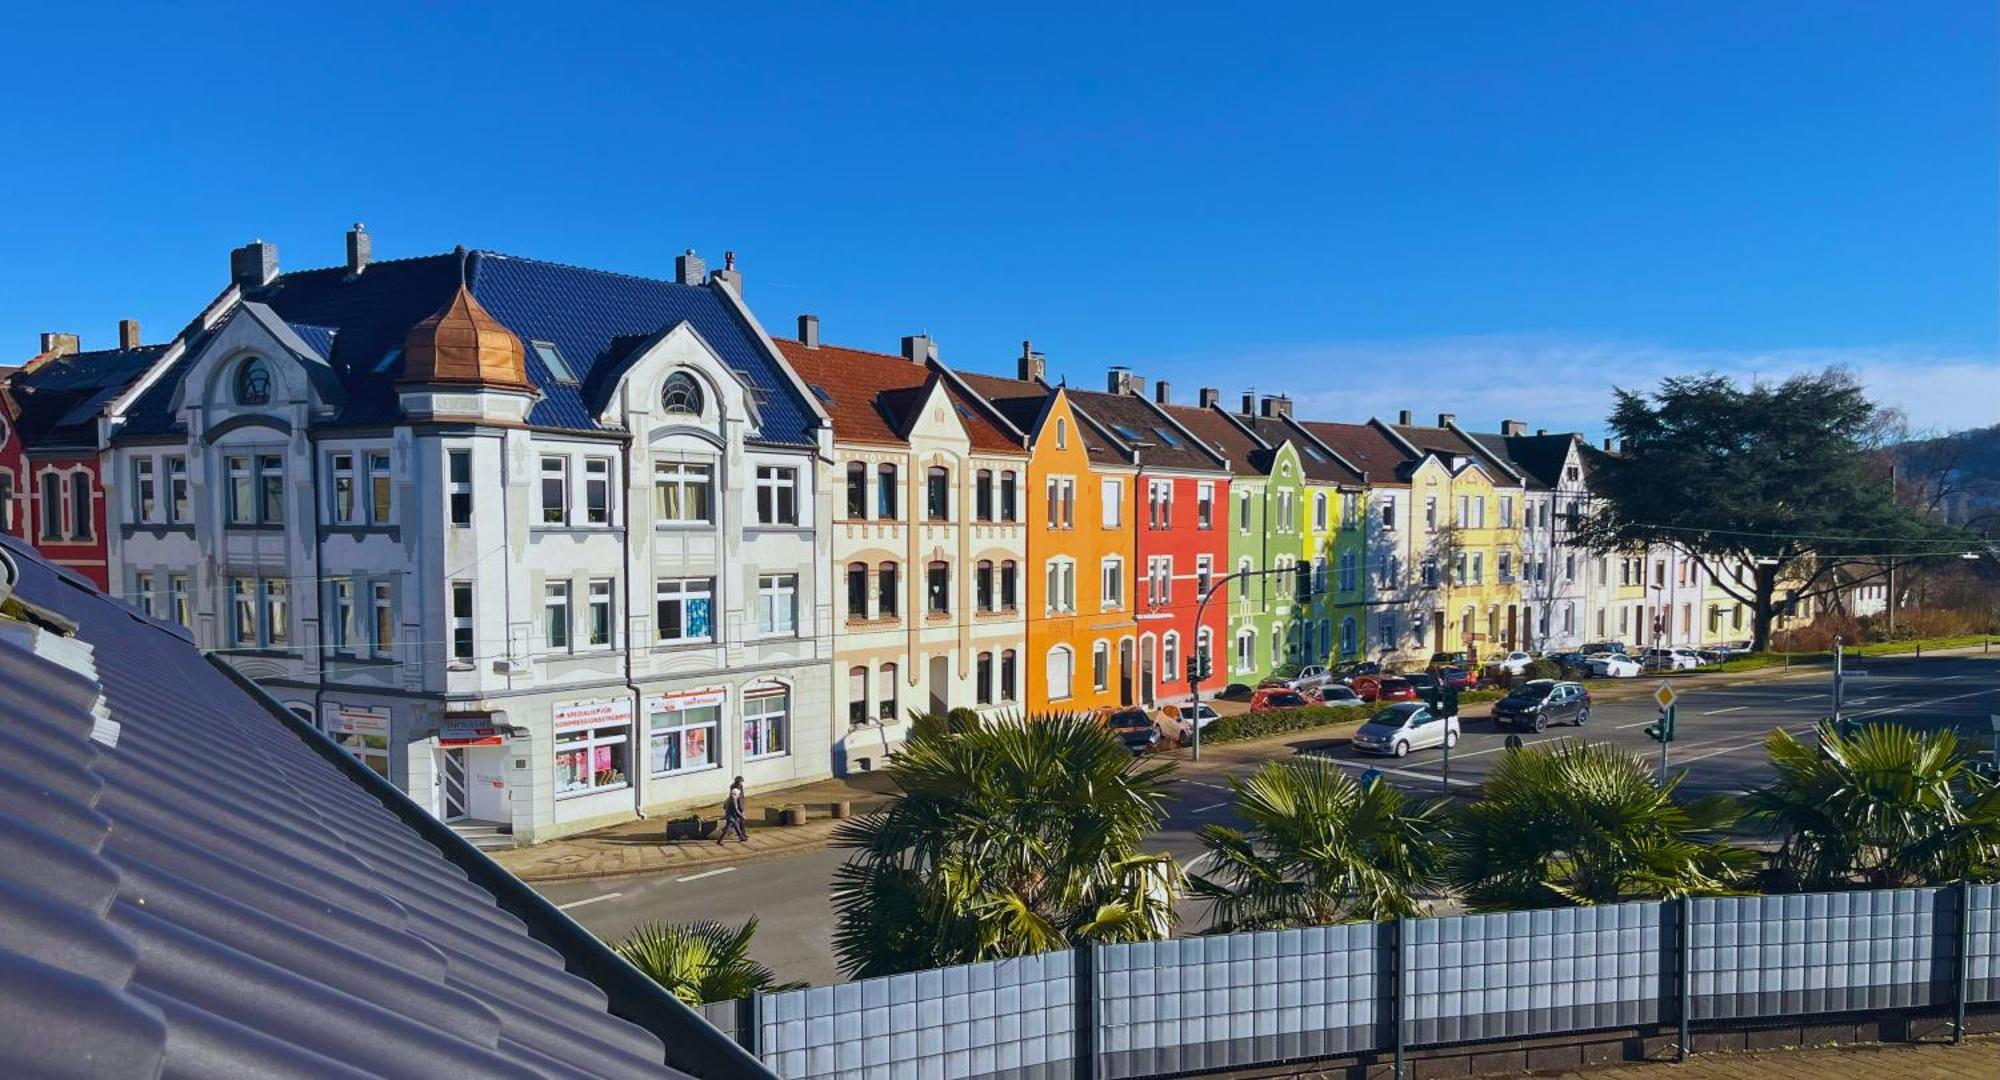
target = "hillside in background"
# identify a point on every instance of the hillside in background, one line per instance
(1957, 475)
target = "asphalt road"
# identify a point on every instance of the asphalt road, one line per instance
(1719, 743)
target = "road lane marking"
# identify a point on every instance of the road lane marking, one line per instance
(1808, 697)
(705, 873)
(1932, 701)
(1366, 765)
(1209, 786)
(1948, 678)
(591, 900)
(1719, 712)
(1206, 809)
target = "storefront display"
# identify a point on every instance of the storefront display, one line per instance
(684, 731)
(766, 723)
(361, 732)
(592, 746)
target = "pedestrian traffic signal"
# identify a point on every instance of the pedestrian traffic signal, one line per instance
(1663, 730)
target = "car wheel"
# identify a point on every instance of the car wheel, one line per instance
(1402, 748)
(1582, 717)
(1541, 723)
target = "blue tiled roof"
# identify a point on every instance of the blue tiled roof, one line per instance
(60, 399)
(592, 316)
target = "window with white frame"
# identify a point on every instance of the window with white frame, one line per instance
(1430, 513)
(1170, 657)
(597, 491)
(555, 490)
(1385, 633)
(277, 613)
(1112, 492)
(381, 488)
(683, 740)
(1246, 650)
(1319, 511)
(1204, 575)
(682, 609)
(243, 612)
(270, 488)
(1350, 571)
(177, 491)
(1061, 668)
(1350, 509)
(346, 503)
(1061, 595)
(777, 495)
(1204, 506)
(1387, 505)
(1243, 511)
(556, 615)
(1285, 521)
(240, 497)
(1111, 583)
(179, 601)
(461, 617)
(777, 604)
(592, 759)
(683, 492)
(145, 495)
(1160, 504)
(458, 476)
(142, 592)
(600, 631)
(767, 719)
(1100, 666)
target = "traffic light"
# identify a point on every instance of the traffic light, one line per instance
(1197, 666)
(1663, 731)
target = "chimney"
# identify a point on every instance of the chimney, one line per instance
(1121, 380)
(360, 252)
(1210, 397)
(1621, 446)
(61, 344)
(1541, 431)
(128, 333)
(1513, 427)
(253, 265)
(1032, 368)
(1249, 404)
(919, 348)
(1607, 444)
(1446, 419)
(1403, 418)
(1160, 392)
(809, 331)
(729, 273)
(1277, 405)
(689, 269)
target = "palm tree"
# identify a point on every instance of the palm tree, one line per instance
(1319, 849)
(1008, 837)
(1586, 823)
(1883, 807)
(701, 962)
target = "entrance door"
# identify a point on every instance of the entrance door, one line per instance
(1513, 617)
(1146, 670)
(1437, 631)
(1125, 672)
(451, 776)
(486, 783)
(940, 685)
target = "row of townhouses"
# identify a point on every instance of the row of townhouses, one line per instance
(551, 547)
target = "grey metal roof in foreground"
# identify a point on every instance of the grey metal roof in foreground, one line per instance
(190, 885)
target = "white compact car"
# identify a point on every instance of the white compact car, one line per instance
(1515, 663)
(1613, 665)
(1182, 719)
(1403, 727)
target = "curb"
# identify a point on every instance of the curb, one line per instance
(726, 858)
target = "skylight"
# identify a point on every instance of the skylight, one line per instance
(820, 393)
(389, 360)
(1313, 452)
(552, 359)
(1128, 432)
(1168, 437)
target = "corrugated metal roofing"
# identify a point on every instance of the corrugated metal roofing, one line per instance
(188, 889)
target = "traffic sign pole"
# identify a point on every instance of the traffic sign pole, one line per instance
(1667, 731)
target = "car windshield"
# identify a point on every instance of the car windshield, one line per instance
(1287, 698)
(1395, 715)
(1397, 684)
(1131, 719)
(1536, 689)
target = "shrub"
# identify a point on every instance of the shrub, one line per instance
(1257, 725)
(1542, 667)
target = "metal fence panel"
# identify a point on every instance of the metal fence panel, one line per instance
(1011, 1018)
(1241, 999)
(1522, 973)
(1983, 954)
(722, 1015)
(1823, 952)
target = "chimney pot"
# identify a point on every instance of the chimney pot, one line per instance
(1446, 419)
(1403, 418)
(919, 348)
(128, 333)
(1160, 392)
(809, 331)
(689, 269)
(1210, 397)
(360, 251)
(254, 265)
(729, 273)
(1511, 427)
(60, 344)
(1277, 405)
(1032, 368)
(1249, 404)
(1541, 431)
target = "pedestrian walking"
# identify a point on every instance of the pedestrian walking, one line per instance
(732, 814)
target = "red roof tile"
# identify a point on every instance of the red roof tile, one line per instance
(868, 396)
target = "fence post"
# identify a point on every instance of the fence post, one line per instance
(1964, 961)
(1686, 976)
(1402, 988)
(1083, 977)
(750, 1023)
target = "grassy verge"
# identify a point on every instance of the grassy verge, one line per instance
(1875, 648)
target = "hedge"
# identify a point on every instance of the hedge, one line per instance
(1241, 726)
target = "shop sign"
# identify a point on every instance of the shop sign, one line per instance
(470, 731)
(597, 712)
(683, 700)
(355, 720)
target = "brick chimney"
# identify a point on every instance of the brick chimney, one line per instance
(809, 331)
(919, 348)
(1446, 419)
(128, 333)
(689, 269)
(360, 251)
(729, 273)
(253, 265)
(1403, 418)
(1513, 427)
(1122, 380)
(59, 344)
(1249, 403)
(1032, 366)
(1160, 392)
(1210, 397)
(1277, 405)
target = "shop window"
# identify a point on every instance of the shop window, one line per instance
(766, 724)
(592, 759)
(685, 740)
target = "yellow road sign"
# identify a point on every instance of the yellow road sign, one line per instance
(1665, 695)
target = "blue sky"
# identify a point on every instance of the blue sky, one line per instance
(1497, 210)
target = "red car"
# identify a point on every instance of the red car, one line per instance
(1277, 697)
(1457, 678)
(1394, 689)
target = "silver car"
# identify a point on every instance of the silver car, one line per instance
(1403, 727)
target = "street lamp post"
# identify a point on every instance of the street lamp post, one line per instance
(1206, 657)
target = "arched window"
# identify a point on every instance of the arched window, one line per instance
(1062, 664)
(681, 394)
(1062, 433)
(1100, 666)
(1170, 658)
(857, 695)
(253, 382)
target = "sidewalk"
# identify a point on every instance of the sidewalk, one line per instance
(641, 847)
(1977, 1059)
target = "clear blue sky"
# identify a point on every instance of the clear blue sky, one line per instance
(1497, 209)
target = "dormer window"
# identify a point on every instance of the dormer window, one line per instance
(681, 394)
(253, 383)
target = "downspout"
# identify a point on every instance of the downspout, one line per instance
(318, 580)
(638, 755)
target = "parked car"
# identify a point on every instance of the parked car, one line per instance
(1310, 676)
(1404, 727)
(1574, 665)
(1613, 665)
(1709, 655)
(1679, 658)
(1339, 695)
(1457, 678)
(1591, 648)
(1424, 681)
(1135, 728)
(1396, 688)
(1181, 719)
(1514, 663)
(1537, 703)
(1274, 698)
(1351, 670)
(1448, 659)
